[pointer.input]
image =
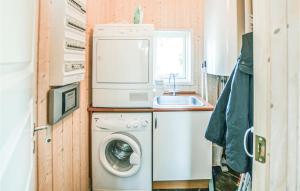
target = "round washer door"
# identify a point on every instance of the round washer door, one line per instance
(120, 154)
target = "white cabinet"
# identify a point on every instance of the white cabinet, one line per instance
(180, 150)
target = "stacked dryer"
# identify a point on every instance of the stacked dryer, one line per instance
(122, 66)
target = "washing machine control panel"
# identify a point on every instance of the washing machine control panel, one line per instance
(136, 124)
(122, 122)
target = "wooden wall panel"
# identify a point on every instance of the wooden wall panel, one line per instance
(63, 164)
(76, 150)
(67, 140)
(164, 14)
(57, 157)
(84, 137)
(44, 151)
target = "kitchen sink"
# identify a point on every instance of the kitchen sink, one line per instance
(177, 101)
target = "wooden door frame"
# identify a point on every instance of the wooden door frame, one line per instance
(293, 41)
(276, 93)
(36, 42)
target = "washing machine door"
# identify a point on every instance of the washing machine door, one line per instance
(120, 154)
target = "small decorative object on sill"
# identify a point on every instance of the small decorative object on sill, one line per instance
(138, 15)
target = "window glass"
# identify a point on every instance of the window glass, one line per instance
(172, 55)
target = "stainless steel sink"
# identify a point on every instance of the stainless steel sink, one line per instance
(177, 101)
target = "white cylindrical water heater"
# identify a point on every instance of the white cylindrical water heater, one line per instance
(223, 29)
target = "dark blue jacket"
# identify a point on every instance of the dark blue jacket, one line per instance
(233, 114)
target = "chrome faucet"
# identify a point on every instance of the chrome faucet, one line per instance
(172, 75)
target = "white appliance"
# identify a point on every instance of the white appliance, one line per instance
(122, 65)
(67, 25)
(121, 151)
(223, 28)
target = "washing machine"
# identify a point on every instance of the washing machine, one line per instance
(122, 151)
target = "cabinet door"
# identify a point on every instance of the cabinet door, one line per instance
(180, 151)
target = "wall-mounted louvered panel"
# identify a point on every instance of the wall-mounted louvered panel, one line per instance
(67, 48)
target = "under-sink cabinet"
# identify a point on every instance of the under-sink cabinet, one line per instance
(180, 150)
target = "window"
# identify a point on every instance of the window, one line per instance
(172, 54)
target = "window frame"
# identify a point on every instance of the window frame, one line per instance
(189, 54)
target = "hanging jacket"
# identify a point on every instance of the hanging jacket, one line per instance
(233, 114)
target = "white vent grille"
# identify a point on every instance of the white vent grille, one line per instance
(71, 66)
(138, 96)
(78, 5)
(75, 24)
(72, 44)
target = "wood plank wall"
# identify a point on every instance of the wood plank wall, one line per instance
(63, 164)
(164, 14)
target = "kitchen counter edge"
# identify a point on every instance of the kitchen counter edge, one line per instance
(206, 107)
